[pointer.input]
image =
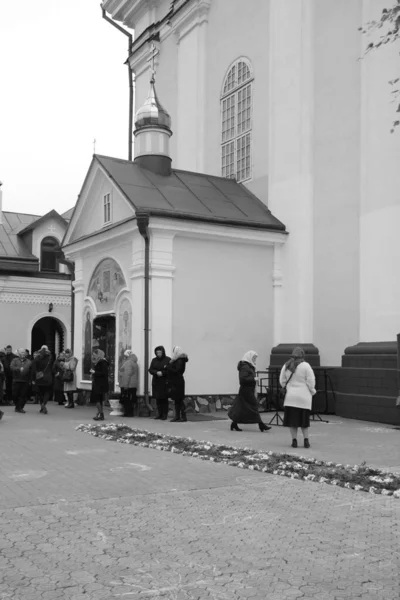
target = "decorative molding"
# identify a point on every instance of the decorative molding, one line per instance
(24, 285)
(277, 275)
(217, 231)
(21, 298)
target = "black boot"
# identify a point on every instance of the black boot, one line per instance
(99, 417)
(263, 427)
(235, 427)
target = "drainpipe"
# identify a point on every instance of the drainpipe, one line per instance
(130, 75)
(71, 268)
(142, 219)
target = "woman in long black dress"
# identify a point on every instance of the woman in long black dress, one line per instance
(245, 409)
(176, 383)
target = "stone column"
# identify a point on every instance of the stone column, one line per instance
(79, 292)
(137, 295)
(277, 283)
(162, 274)
(290, 185)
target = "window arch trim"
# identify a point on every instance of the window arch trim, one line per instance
(50, 264)
(235, 66)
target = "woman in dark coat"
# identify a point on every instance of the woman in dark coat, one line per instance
(44, 377)
(245, 409)
(176, 383)
(159, 383)
(58, 386)
(99, 382)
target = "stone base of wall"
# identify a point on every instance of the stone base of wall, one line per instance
(282, 352)
(366, 385)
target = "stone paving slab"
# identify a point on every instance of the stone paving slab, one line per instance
(87, 519)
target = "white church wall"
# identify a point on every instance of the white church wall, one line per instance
(18, 318)
(336, 165)
(233, 33)
(380, 184)
(222, 307)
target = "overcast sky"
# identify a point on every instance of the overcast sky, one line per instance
(63, 82)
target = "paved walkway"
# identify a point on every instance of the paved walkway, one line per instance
(88, 519)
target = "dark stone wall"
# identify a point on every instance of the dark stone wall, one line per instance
(366, 385)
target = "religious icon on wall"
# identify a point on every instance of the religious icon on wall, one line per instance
(124, 329)
(106, 283)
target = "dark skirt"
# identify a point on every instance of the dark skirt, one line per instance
(244, 408)
(296, 417)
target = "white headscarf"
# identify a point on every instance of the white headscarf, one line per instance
(177, 353)
(250, 357)
(128, 353)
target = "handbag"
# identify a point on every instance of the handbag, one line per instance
(283, 390)
(40, 374)
(67, 375)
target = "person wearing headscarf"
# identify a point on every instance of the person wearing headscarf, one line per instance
(100, 386)
(58, 383)
(159, 382)
(245, 408)
(174, 371)
(298, 378)
(128, 378)
(43, 377)
(22, 370)
(69, 377)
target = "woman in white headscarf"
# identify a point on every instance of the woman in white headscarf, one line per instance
(176, 382)
(245, 408)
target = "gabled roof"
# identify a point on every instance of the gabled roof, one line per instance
(53, 214)
(68, 214)
(189, 195)
(11, 244)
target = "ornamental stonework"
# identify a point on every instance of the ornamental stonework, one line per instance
(10, 298)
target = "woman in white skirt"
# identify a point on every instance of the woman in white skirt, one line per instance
(299, 379)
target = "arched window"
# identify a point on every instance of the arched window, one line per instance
(50, 253)
(236, 119)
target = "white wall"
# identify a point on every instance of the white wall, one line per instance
(17, 320)
(221, 309)
(336, 159)
(380, 198)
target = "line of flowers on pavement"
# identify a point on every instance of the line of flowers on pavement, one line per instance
(357, 477)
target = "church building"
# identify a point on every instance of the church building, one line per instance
(167, 256)
(35, 287)
(278, 96)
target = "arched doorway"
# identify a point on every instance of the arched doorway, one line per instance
(48, 331)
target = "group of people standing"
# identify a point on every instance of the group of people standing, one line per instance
(297, 380)
(37, 375)
(167, 382)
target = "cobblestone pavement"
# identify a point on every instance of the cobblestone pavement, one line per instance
(88, 519)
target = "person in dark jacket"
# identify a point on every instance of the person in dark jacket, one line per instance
(176, 383)
(2, 377)
(245, 409)
(58, 385)
(7, 360)
(99, 382)
(159, 382)
(44, 377)
(23, 373)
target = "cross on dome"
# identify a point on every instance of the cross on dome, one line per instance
(154, 51)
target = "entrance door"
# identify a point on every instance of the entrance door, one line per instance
(48, 332)
(104, 338)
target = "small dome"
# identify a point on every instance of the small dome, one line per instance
(152, 113)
